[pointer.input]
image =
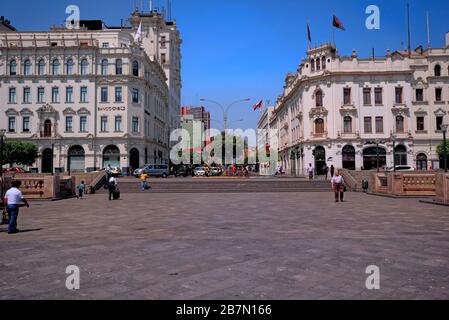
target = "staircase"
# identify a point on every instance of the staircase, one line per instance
(189, 185)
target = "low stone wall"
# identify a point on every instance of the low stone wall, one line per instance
(354, 179)
(442, 188)
(405, 184)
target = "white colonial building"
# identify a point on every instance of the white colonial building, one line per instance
(93, 96)
(353, 113)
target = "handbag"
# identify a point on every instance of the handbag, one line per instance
(5, 216)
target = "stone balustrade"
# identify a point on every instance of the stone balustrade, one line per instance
(405, 184)
(442, 188)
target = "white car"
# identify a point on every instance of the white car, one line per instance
(199, 172)
(400, 168)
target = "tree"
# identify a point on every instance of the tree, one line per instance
(21, 153)
(440, 149)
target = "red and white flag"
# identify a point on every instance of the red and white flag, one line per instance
(258, 105)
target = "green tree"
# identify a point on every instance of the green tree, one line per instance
(21, 153)
(440, 148)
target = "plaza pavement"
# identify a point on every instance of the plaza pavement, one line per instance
(232, 246)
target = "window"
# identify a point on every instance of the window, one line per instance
(400, 124)
(367, 96)
(69, 95)
(437, 70)
(319, 126)
(379, 124)
(55, 67)
(135, 68)
(26, 124)
(83, 94)
(312, 65)
(13, 68)
(40, 95)
(104, 67)
(69, 67)
(323, 62)
(47, 128)
(69, 124)
(26, 95)
(368, 125)
(420, 123)
(163, 41)
(420, 95)
(163, 58)
(378, 96)
(135, 95)
(135, 124)
(318, 64)
(438, 94)
(12, 124)
(347, 124)
(118, 67)
(41, 67)
(55, 95)
(398, 95)
(104, 124)
(118, 94)
(118, 123)
(27, 68)
(319, 98)
(84, 67)
(12, 95)
(439, 122)
(347, 96)
(83, 124)
(105, 44)
(104, 94)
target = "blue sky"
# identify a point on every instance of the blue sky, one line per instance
(235, 49)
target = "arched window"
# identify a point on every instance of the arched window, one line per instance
(41, 67)
(319, 98)
(312, 65)
(13, 68)
(104, 67)
(27, 68)
(421, 162)
(69, 67)
(135, 68)
(400, 157)
(400, 124)
(318, 64)
(84, 67)
(323, 62)
(118, 67)
(437, 70)
(55, 67)
(47, 128)
(347, 124)
(319, 126)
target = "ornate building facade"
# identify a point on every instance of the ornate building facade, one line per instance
(91, 97)
(361, 113)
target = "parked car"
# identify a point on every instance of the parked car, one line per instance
(183, 172)
(14, 170)
(199, 172)
(400, 168)
(153, 170)
(214, 172)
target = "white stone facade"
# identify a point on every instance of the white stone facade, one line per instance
(94, 97)
(336, 110)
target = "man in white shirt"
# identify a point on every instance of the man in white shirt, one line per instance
(12, 200)
(112, 185)
(338, 185)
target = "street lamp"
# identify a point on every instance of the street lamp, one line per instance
(2, 135)
(394, 137)
(444, 129)
(225, 110)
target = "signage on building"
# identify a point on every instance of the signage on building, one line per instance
(111, 108)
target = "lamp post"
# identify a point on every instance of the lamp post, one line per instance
(394, 136)
(444, 129)
(2, 135)
(225, 109)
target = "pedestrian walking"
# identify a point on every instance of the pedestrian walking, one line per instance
(234, 169)
(338, 186)
(325, 171)
(81, 190)
(143, 180)
(332, 171)
(310, 171)
(11, 202)
(112, 186)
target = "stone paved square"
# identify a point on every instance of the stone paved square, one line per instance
(228, 246)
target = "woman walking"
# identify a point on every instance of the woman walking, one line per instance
(338, 185)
